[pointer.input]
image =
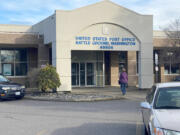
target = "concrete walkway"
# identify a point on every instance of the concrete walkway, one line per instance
(115, 92)
(90, 94)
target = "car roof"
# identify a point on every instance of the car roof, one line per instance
(168, 84)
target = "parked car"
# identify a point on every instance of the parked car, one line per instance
(9, 89)
(161, 111)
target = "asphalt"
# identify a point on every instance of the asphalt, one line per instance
(89, 95)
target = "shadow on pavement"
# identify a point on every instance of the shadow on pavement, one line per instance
(99, 129)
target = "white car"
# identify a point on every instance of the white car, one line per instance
(161, 111)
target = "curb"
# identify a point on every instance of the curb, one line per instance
(73, 100)
(84, 100)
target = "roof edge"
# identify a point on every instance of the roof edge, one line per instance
(100, 2)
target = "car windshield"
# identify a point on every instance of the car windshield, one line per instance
(3, 79)
(168, 98)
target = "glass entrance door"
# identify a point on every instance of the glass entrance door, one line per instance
(75, 74)
(83, 74)
(90, 73)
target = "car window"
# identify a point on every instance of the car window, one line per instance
(168, 98)
(150, 95)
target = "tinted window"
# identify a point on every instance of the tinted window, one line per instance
(150, 95)
(20, 55)
(7, 56)
(13, 62)
(168, 98)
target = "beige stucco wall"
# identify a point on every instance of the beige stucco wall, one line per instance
(88, 21)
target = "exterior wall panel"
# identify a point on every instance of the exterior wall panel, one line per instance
(132, 68)
(89, 21)
(114, 68)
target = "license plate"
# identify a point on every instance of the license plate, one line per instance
(17, 93)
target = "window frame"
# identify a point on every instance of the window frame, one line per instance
(170, 65)
(14, 62)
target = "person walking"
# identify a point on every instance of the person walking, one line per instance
(123, 81)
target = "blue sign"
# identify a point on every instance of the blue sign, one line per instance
(105, 42)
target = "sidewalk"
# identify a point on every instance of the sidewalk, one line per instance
(90, 94)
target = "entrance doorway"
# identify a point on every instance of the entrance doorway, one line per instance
(83, 74)
(107, 67)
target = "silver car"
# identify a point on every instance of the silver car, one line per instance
(161, 111)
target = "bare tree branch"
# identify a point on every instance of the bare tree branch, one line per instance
(173, 32)
(172, 53)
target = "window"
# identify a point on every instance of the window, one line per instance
(150, 95)
(13, 62)
(171, 68)
(122, 61)
(168, 98)
(170, 61)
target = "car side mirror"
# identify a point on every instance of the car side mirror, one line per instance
(145, 105)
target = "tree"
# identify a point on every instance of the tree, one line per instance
(172, 51)
(173, 33)
(48, 78)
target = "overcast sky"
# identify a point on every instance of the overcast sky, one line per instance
(29, 12)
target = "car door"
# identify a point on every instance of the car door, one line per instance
(147, 112)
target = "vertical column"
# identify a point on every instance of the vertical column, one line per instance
(43, 55)
(54, 53)
(63, 64)
(33, 58)
(146, 65)
(114, 68)
(162, 73)
(103, 69)
(132, 68)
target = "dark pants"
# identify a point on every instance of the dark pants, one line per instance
(123, 88)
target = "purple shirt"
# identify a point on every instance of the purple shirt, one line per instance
(123, 77)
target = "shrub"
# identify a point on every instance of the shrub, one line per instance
(32, 78)
(48, 78)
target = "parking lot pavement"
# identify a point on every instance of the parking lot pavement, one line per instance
(28, 117)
